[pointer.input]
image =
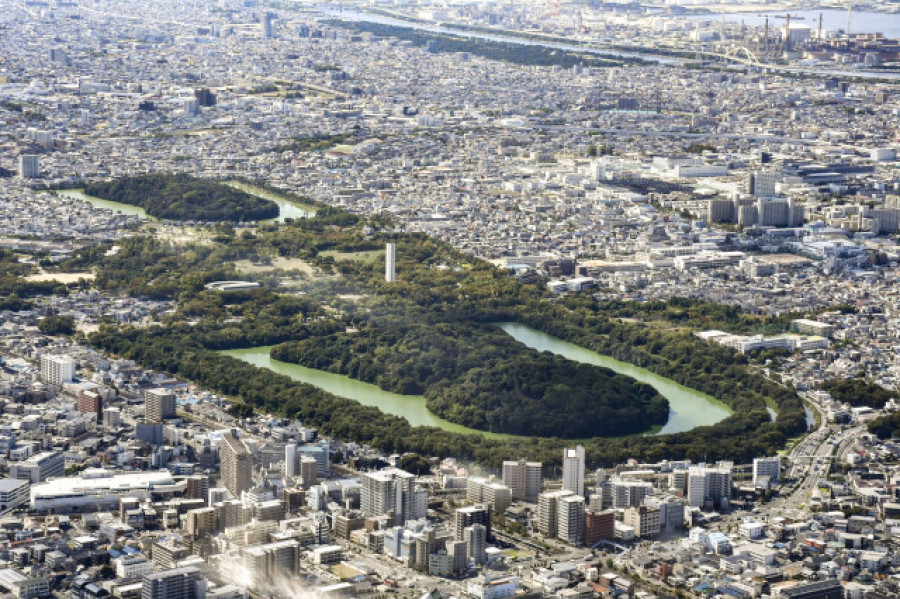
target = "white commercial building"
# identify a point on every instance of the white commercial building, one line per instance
(98, 488)
(132, 566)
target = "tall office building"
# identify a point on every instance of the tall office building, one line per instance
(236, 464)
(570, 519)
(56, 370)
(180, 583)
(573, 470)
(390, 262)
(29, 167)
(548, 511)
(394, 490)
(159, 405)
(524, 479)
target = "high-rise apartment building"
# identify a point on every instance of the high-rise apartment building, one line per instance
(524, 479)
(570, 525)
(197, 487)
(629, 493)
(394, 490)
(709, 486)
(467, 516)
(29, 166)
(236, 465)
(56, 370)
(644, 520)
(489, 492)
(180, 583)
(548, 511)
(159, 405)
(476, 537)
(573, 470)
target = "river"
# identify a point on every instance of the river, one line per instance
(287, 208)
(863, 21)
(349, 15)
(860, 22)
(687, 408)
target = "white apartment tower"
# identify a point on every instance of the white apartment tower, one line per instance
(709, 485)
(56, 370)
(573, 470)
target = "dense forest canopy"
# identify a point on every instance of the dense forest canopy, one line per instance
(183, 197)
(476, 375)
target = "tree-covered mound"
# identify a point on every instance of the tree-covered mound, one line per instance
(183, 197)
(476, 375)
(436, 285)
